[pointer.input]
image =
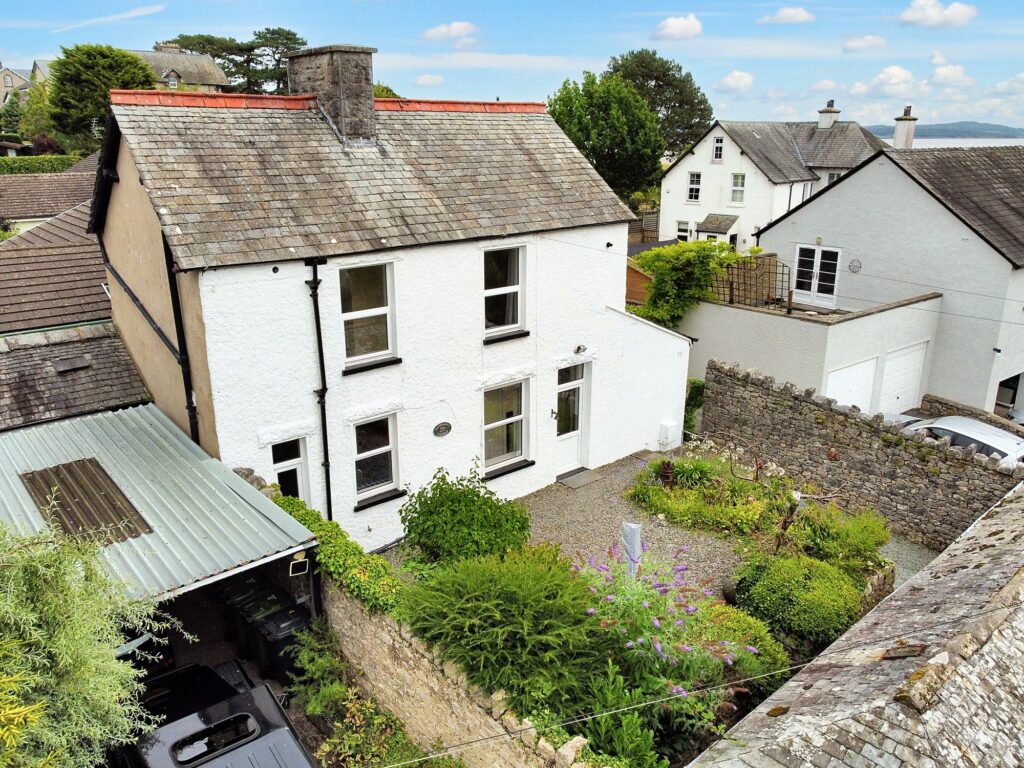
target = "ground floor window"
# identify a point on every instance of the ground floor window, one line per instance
(289, 460)
(683, 231)
(376, 456)
(504, 424)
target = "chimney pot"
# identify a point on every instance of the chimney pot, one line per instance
(341, 78)
(903, 136)
(831, 103)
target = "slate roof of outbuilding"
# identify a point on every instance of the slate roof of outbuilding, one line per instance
(255, 184)
(41, 195)
(52, 275)
(961, 702)
(192, 68)
(984, 186)
(717, 223)
(86, 370)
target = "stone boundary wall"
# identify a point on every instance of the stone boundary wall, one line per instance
(432, 698)
(929, 491)
(934, 406)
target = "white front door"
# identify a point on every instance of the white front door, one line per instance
(815, 279)
(570, 414)
(901, 379)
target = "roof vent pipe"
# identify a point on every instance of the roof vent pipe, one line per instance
(827, 117)
(903, 137)
(341, 78)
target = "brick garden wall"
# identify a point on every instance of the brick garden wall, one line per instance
(929, 491)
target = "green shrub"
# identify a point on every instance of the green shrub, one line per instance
(452, 519)
(725, 624)
(370, 578)
(806, 598)
(694, 402)
(852, 543)
(625, 735)
(319, 686)
(517, 623)
(38, 163)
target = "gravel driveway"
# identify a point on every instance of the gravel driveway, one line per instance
(587, 520)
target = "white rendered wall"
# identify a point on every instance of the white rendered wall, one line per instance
(716, 191)
(908, 244)
(263, 364)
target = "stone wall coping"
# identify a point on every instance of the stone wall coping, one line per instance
(833, 319)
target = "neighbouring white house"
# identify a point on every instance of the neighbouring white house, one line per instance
(345, 294)
(742, 175)
(902, 280)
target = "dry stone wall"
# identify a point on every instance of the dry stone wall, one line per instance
(432, 698)
(929, 491)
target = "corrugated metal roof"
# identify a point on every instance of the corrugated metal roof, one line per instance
(206, 520)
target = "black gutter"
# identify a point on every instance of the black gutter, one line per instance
(321, 394)
(179, 329)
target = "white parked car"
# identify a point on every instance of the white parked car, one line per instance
(963, 432)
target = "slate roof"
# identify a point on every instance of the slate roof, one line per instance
(634, 249)
(87, 372)
(41, 195)
(960, 702)
(786, 152)
(86, 165)
(717, 223)
(52, 275)
(984, 186)
(255, 184)
(192, 68)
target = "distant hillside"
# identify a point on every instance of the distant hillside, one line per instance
(967, 129)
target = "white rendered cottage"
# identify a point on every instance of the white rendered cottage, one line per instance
(742, 175)
(346, 294)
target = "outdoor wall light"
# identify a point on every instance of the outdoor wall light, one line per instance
(608, 244)
(581, 349)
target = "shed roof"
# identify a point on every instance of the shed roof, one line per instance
(960, 702)
(81, 371)
(192, 68)
(42, 195)
(717, 223)
(244, 180)
(206, 521)
(52, 275)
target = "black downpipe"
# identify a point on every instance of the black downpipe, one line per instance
(321, 394)
(179, 329)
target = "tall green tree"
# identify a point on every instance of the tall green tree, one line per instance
(271, 44)
(81, 81)
(684, 112)
(11, 114)
(37, 118)
(62, 690)
(613, 127)
(383, 91)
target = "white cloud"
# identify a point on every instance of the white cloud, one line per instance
(1014, 85)
(429, 80)
(932, 13)
(938, 59)
(827, 85)
(134, 13)
(464, 42)
(452, 31)
(951, 75)
(893, 80)
(736, 82)
(863, 43)
(788, 14)
(679, 28)
(785, 112)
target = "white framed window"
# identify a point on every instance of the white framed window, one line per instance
(505, 424)
(712, 238)
(807, 189)
(718, 149)
(367, 313)
(172, 83)
(833, 176)
(683, 231)
(376, 461)
(8, 81)
(693, 189)
(503, 290)
(290, 473)
(739, 183)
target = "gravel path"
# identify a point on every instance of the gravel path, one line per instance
(587, 520)
(909, 556)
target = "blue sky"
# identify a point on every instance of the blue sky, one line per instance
(755, 60)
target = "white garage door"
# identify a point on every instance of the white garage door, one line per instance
(853, 384)
(901, 379)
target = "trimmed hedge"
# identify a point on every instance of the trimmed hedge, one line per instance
(370, 578)
(38, 163)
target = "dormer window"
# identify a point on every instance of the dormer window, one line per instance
(718, 150)
(172, 83)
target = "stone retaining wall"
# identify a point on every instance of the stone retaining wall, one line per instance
(929, 491)
(933, 405)
(432, 698)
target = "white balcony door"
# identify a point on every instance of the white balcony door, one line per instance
(817, 270)
(570, 414)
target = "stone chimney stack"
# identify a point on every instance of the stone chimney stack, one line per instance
(168, 47)
(903, 136)
(341, 78)
(827, 117)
